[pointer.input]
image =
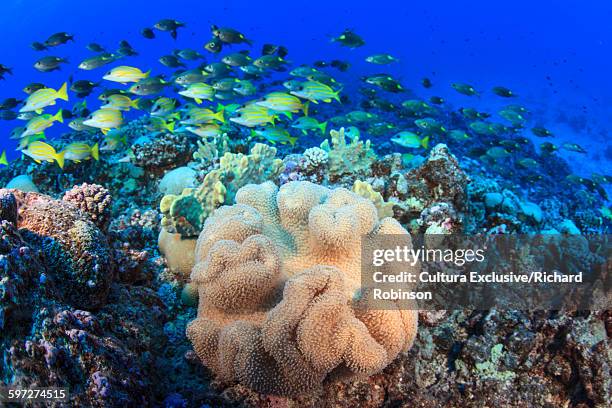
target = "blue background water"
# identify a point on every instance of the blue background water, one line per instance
(555, 54)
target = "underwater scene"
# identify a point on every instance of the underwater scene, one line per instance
(205, 204)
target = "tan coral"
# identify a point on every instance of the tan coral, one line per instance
(278, 276)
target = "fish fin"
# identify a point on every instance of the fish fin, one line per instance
(170, 127)
(134, 103)
(123, 139)
(63, 92)
(289, 115)
(323, 126)
(39, 111)
(198, 101)
(304, 132)
(146, 74)
(59, 157)
(305, 107)
(59, 116)
(3, 159)
(292, 140)
(425, 142)
(95, 152)
(337, 94)
(104, 131)
(219, 116)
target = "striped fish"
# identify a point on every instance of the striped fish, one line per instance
(124, 74)
(38, 124)
(43, 98)
(79, 151)
(105, 119)
(41, 151)
(198, 92)
(253, 115)
(315, 91)
(283, 102)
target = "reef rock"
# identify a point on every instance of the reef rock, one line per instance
(77, 254)
(278, 276)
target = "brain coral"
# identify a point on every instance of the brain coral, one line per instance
(76, 251)
(278, 276)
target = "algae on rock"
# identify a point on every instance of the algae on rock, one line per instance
(185, 213)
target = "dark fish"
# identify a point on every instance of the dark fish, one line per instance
(574, 147)
(50, 63)
(9, 103)
(8, 115)
(269, 49)
(548, 147)
(321, 64)
(229, 35)
(188, 54)
(94, 47)
(59, 39)
(171, 61)
(540, 131)
(147, 33)
(83, 87)
(503, 92)
(426, 82)
(38, 46)
(5, 70)
(349, 39)
(97, 61)
(436, 100)
(148, 86)
(217, 69)
(170, 26)
(341, 66)
(109, 92)
(215, 45)
(125, 49)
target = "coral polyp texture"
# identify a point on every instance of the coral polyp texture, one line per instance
(278, 276)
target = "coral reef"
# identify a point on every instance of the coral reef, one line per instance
(158, 152)
(94, 200)
(278, 276)
(353, 158)
(185, 213)
(77, 253)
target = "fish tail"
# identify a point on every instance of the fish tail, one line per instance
(134, 103)
(198, 101)
(305, 107)
(3, 159)
(292, 140)
(123, 139)
(219, 116)
(59, 116)
(323, 126)
(95, 152)
(170, 127)
(425, 142)
(59, 157)
(62, 93)
(337, 94)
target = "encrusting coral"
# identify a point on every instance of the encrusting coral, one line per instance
(76, 252)
(93, 200)
(186, 213)
(278, 276)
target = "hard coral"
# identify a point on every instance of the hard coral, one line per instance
(186, 213)
(278, 276)
(94, 200)
(345, 158)
(162, 151)
(76, 251)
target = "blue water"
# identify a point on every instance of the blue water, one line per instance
(555, 54)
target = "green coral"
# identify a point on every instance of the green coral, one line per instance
(355, 157)
(211, 150)
(186, 213)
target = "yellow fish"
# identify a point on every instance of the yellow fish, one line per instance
(39, 123)
(283, 102)
(41, 151)
(124, 74)
(3, 159)
(121, 102)
(198, 92)
(79, 151)
(105, 119)
(315, 91)
(43, 98)
(253, 115)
